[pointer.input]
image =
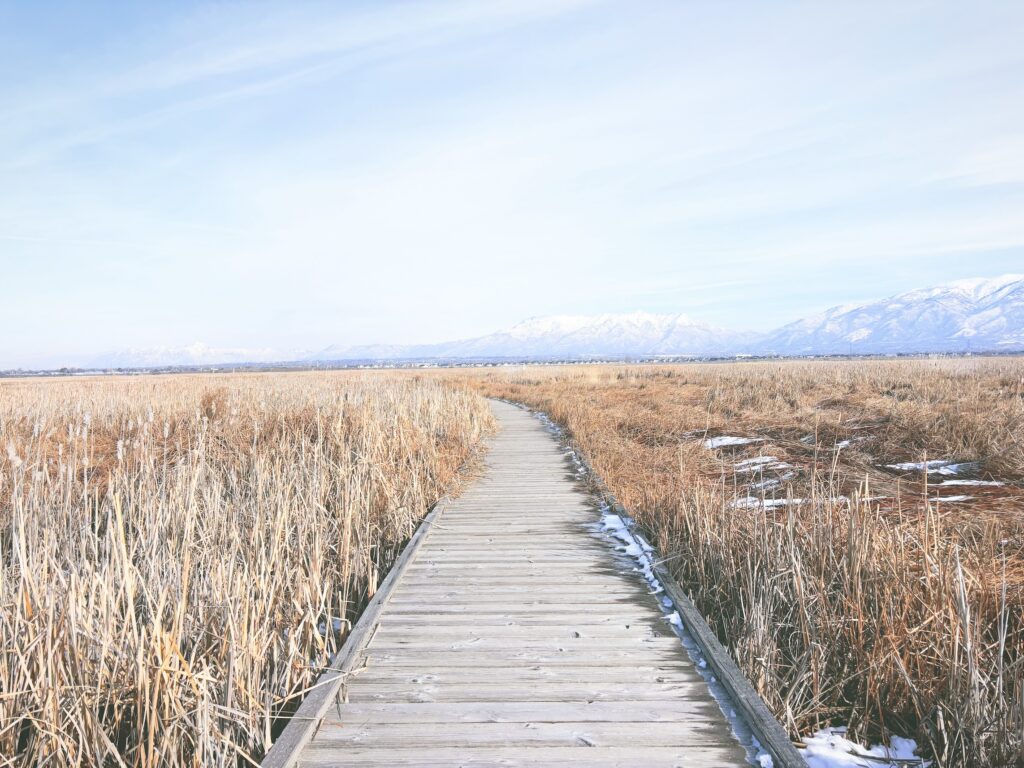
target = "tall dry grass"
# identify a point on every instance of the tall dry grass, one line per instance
(869, 604)
(181, 556)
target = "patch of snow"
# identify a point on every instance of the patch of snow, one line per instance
(918, 466)
(337, 625)
(755, 461)
(616, 526)
(951, 498)
(747, 502)
(959, 469)
(773, 503)
(992, 483)
(830, 748)
(727, 440)
(740, 470)
(773, 482)
(753, 502)
(939, 466)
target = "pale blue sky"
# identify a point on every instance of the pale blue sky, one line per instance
(294, 175)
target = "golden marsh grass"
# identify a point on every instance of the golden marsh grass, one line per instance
(182, 555)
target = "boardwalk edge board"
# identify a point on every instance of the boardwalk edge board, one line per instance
(303, 724)
(766, 728)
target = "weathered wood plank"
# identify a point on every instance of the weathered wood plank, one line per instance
(703, 733)
(594, 646)
(501, 602)
(522, 671)
(512, 691)
(622, 711)
(581, 673)
(526, 757)
(525, 577)
(509, 609)
(390, 631)
(574, 620)
(494, 658)
(455, 570)
(463, 592)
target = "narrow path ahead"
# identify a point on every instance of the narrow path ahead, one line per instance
(518, 636)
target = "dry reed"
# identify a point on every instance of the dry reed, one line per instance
(181, 556)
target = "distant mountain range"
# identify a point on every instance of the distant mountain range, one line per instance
(197, 354)
(968, 315)
(566, 336)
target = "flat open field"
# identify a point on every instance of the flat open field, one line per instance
(182, 555)
(854, 583)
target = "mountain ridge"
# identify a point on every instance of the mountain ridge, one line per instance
(977, 314)
(969, 315)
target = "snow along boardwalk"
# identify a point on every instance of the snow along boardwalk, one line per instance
(515, 634)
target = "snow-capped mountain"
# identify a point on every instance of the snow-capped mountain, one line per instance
(639, 333)
(962, 316)
(197, 354)
(977, 315)
(564, 336)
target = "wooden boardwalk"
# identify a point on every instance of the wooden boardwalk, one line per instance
(516, 635)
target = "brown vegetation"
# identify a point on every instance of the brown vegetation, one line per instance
(182, 555)
(844, 589)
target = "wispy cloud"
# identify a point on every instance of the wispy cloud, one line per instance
(241, 58)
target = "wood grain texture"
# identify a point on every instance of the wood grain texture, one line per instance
(516, 634)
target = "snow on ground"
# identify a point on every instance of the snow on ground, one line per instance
(754, 502)
(729, 440)
(754, 462)
(758, 464)
(762, 467)
(773, 482)
(917, 466)
(992, 483)
(939, 466)
(959, 469)
(831, 749)
(951, 498)
(850, 441)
